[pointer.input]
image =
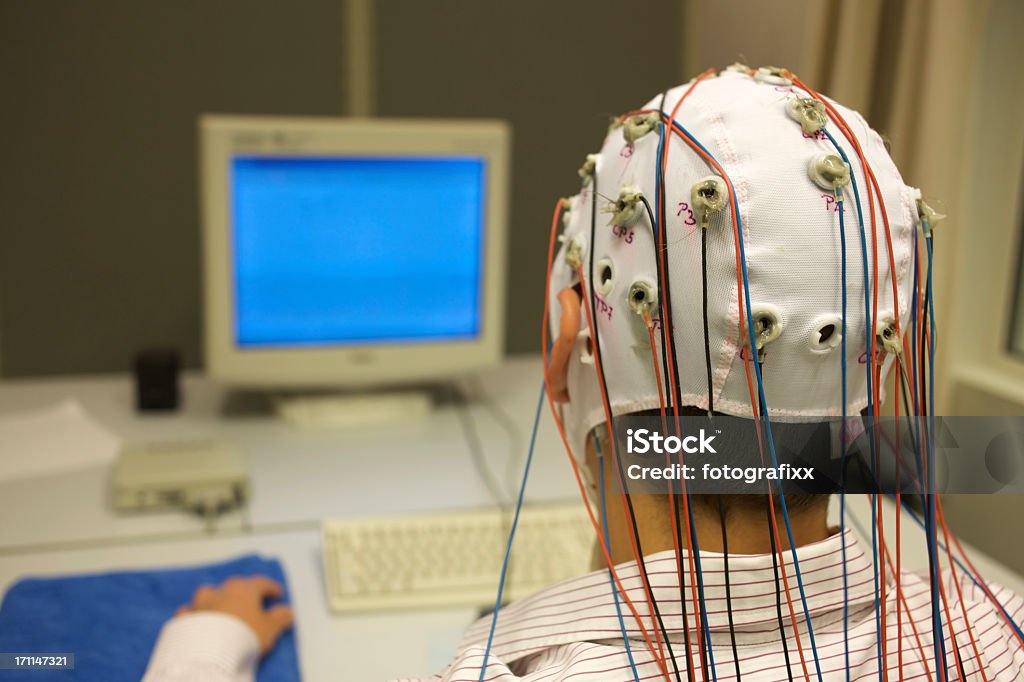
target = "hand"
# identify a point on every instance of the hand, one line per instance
(242, 597)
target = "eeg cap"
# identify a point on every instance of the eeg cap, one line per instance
(786, 175)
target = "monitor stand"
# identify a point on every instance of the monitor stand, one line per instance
(351, 410)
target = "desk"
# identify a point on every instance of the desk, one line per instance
(63, 524)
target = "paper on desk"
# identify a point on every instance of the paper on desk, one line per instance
(57, 439)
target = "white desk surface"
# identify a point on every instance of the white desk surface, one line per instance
(63, 524)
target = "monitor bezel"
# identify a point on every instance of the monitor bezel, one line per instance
(222, 137)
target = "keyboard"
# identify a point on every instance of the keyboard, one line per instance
(451, 559)
(327, 411)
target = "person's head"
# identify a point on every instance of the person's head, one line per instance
(759, 237)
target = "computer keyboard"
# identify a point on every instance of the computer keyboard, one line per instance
(328, 411)
(451, 559)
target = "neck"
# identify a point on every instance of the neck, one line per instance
(748, 528)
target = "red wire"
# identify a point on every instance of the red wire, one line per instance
(668, 462)
(671, 370)
(949, 623)
(977, 574)
(657, 370)
(963, 607)
(875, 368)
(880, 525)
(753, 401)
(872, 188)
(899, 564)
(661, 251)
(910, 617)
(614, 451)
(572, 460)
(671, 490)
(934, 540)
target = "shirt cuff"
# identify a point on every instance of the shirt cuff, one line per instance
(206, 639)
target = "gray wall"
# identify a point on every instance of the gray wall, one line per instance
(99, 244)
(557, 70)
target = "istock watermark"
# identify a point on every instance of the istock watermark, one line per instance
(724, 454)
(643, 441)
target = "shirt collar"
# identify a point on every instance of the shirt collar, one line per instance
(582, 609)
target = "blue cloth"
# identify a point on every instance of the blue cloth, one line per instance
(110, 621)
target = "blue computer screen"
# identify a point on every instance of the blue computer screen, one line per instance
(356, 250)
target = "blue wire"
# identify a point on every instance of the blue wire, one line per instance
(937, 635)
(842, 439)
(938, 644)
(920, 523)
(905, 507)
(763, 402)
(696, 547)
(608, 546)
(867, 272)
(878, 595)
(867, 370)
(934, 571)
(700, 587)
(512, 532)
(861, 531)
(931, 302)
(914, 314)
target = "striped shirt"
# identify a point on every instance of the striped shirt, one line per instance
(571, 630)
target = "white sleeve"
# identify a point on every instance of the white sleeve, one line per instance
(204, 647)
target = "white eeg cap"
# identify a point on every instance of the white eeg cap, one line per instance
(793, 253)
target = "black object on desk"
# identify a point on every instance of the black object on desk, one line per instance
(156, 380)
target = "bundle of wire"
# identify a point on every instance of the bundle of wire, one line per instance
(742, 245)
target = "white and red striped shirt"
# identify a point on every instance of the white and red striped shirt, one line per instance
(571, 631)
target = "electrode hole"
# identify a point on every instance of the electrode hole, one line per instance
(826, 334)
(642, 297)
(586, 348)
(605, 276)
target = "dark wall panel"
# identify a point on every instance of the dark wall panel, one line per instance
(99, 239)
(556, 70)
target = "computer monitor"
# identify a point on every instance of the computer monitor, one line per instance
(349, 252)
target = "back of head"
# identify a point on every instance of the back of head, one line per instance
(769, 227)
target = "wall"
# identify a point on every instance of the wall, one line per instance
(557, 70)
(100, 234)
(100, 237)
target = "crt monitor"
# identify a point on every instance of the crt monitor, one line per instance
(352, 252)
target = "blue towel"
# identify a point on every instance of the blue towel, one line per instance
(110, 621)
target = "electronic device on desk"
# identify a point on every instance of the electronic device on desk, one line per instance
(156, 380)
(451, 559)
(352, 254)
(208, 477)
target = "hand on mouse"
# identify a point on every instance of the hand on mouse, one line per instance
(243, 597)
